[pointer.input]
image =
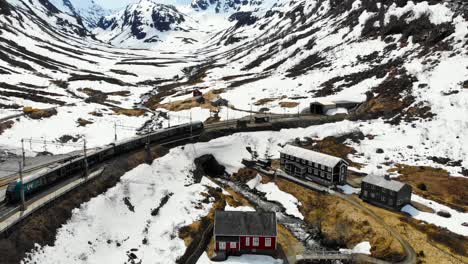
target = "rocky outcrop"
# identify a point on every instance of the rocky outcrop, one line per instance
(4, 8)
(223, 5)
(143, 20)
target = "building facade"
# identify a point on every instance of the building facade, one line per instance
(237, 232)
(385, 192)
(314, 166)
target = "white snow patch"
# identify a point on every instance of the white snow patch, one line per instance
(453, 223)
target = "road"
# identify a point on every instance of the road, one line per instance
(409, 251)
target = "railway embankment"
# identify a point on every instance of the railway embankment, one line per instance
(41, 227)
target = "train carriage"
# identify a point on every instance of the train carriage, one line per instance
(42, 180)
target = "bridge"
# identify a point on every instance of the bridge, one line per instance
(325, 255)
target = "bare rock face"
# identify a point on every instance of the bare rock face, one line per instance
(208, 165)
(4, 8)
(142, 17)
(222, 5)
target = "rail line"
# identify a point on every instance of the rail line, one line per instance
(138, 143)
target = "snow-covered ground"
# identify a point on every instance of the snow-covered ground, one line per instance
(244, 259)
(456, 223)
(273, 193)
(106, 217)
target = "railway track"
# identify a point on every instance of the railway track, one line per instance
(166, 137)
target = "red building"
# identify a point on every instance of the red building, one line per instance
(239, 233)
(197, 93)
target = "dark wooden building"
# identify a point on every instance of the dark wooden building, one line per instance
(315, 166)
(238, 232)
(385, 192)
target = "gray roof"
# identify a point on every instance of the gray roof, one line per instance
(239, 223)
(385, 183)
(310, 155)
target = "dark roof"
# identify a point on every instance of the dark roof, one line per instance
(238, 223)
(384, 183)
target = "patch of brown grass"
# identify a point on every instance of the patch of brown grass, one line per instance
(265, 101)
(288, 104)
(331, 146)
(341, 224)
(289, 243)
(6, 125)
(98, 114)
(129, 112)
(441, 187)
(190, 103)
(83, 122)
(35, 113)
(244, 175)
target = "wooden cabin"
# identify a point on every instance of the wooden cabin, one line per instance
(314, 166)
(238, 232)
(385, 192)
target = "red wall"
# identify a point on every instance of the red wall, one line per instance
(261, 245)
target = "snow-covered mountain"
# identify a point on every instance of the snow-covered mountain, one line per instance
(88, 10)
(225, 5)
(407, 61)
(144, 21)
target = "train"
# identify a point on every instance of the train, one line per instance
(40, 181)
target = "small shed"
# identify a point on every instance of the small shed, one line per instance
(197, 93)
(385, 192)
(239, 232)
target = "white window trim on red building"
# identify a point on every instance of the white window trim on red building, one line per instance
(256, 242)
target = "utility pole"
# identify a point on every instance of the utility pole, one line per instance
(85, 159)
(115, 131)
(23, 201)
(168, 119)
(22, 151)
(149, 156)
(191, 127)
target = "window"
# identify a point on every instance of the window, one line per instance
(316, 165)
(384, 190)
(267, 242)
(255, 242)
(365, 193)
(298, 159)
(328, 175)
(372, 195)
(316, 172)
(310, 163)
(222, 245)
(330, 169)
(309, 170)
(304, 162)
(322, 174)
(382, 198)
(233, 245)
(323, 167)
(247, 241)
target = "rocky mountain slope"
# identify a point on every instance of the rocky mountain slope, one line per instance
(144, 21)
(406, 61)
(87, 10)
